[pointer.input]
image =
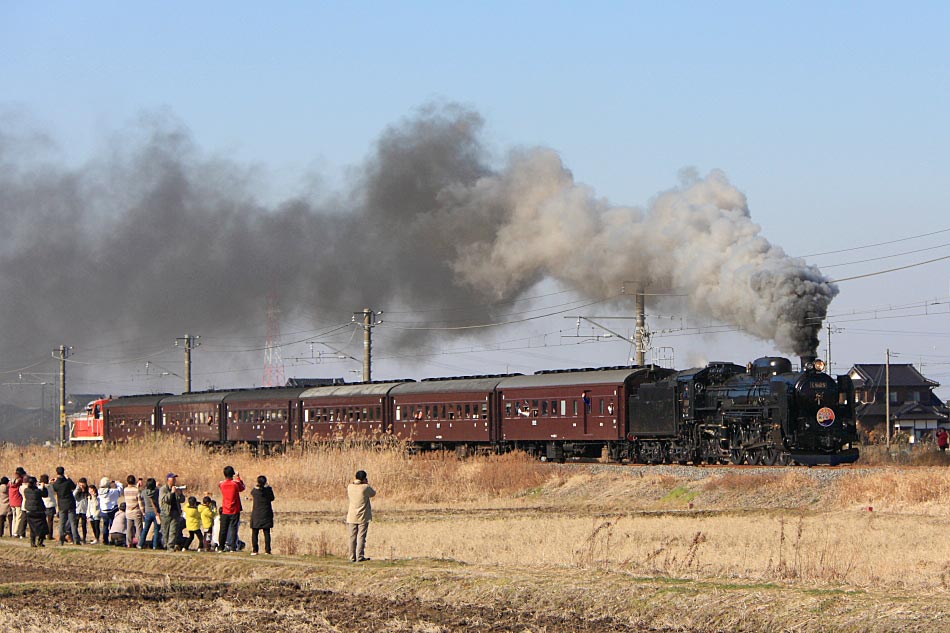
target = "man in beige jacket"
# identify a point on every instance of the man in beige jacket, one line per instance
(359, 515)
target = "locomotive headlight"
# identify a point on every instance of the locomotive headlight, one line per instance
(819, 365)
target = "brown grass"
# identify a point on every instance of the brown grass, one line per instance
(305, 473)
(925, 454)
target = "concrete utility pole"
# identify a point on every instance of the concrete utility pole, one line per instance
(887, 394)
(369, 321)
(641, 331)
(189, 343)
(62, 354)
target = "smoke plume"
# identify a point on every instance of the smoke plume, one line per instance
(153, 238)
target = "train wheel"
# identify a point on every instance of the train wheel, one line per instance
(737, 456)
(784, 459)
(770, 456)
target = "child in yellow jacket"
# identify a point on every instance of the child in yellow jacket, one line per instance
(207, 510)
(193, 524)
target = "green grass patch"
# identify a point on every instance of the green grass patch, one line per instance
(679, 494)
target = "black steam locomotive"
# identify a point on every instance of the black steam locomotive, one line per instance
(764, 413)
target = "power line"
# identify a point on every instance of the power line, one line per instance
(874, 259)
(470, 307)
(529, 311)
(890, 270)
(857, 248)
(488, 325)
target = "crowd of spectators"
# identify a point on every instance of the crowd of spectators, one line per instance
(135, 513)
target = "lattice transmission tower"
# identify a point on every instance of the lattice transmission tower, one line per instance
(273, 361)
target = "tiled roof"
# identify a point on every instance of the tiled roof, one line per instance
(902, 375)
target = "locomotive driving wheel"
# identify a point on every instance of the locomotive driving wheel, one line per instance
(770, 456)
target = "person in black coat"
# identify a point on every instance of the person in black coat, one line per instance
(35, 512)
(262, 516)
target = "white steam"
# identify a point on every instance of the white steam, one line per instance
(697, 238)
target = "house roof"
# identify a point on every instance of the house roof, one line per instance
(906, 411)
(873, 376)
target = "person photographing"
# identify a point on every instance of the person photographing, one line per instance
(359, 514)
(231, 489)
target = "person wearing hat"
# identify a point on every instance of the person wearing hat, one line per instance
(359, 514)
(170, 499)
(110, 492)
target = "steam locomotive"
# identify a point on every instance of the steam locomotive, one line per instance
(764, 413)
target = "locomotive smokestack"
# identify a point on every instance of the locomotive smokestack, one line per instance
(808, 358)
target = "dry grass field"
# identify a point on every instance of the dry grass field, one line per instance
(509, 544)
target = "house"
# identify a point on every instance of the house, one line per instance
(915, 409)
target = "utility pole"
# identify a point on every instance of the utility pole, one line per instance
(641, 335)
(887, 394)
(828, 359)
(189, 343)
(369, 321)
(62, 354)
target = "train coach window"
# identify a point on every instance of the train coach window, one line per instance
(544, 407)
(575, 406)
(507, 410)
(563, 407)
(554, 407)
(484, 411)
(601, 406)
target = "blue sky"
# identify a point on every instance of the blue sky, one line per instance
(831, 117)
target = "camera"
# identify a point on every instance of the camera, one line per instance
(181, 487)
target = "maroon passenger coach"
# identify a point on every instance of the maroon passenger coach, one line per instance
(340, 411)
(447, 412)
(262, 416)
(130, 418)
(569, 413)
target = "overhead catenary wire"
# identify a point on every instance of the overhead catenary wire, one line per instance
(875, 259)
(890, 270)
(858, 248)
(490, 325)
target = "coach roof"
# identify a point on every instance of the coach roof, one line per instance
(197, 397)
(136, 401)
(449, 385)
(264, 394)
(342, 391)
(578, 377)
